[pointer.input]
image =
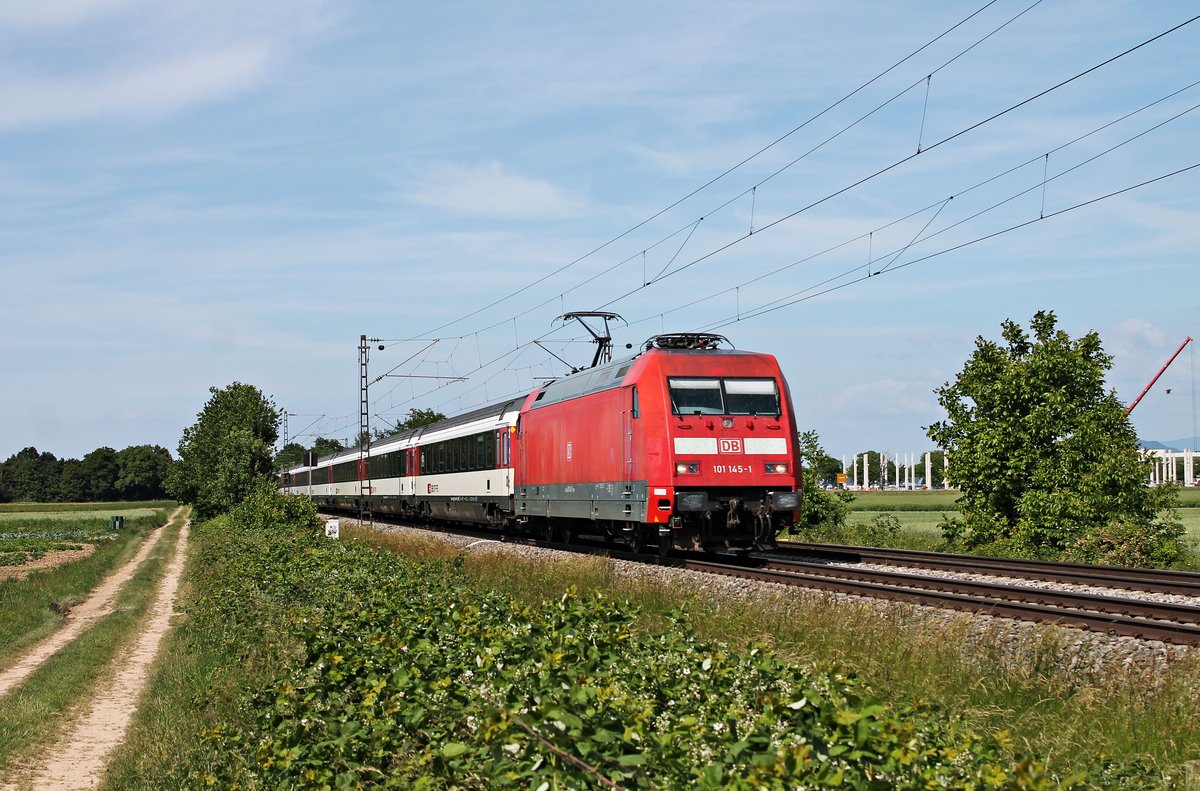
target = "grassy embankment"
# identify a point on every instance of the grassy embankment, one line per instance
(1066, 719)
(34, 712)
(1150, 725)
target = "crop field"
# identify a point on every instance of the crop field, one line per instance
(23, 540)
(33, 509)
(7, 517)
(31, 531)
(934, 500)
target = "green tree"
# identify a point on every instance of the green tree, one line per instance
(72, 483)
(32, 476)
(937, 469)
(418, 418)
(142, 472)
(100, 469)
(1043, 453)
(226, 452)
(824, 467)
(291, 455)
(324, 446)
(819, 508)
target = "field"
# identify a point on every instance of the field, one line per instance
(919, 514)
(45, 534)
(60, 511)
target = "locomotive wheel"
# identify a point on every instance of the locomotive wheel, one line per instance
(764, 534)
(636, 539)
(547, 532)
(567, 533)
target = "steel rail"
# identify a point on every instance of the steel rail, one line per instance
(1111, 623)
(1184, 583)
(1115, 605)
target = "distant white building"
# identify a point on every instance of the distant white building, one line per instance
(1172, 466)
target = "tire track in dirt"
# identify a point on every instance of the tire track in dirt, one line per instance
(78, 759)
(99, 603)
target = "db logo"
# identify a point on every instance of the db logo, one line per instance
(729, 446)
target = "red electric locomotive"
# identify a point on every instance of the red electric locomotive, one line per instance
(688, 445)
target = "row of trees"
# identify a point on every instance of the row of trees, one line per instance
(136, 473)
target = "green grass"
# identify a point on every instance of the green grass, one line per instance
(33, 714)
(31, 606)
(920, 512)
(1190, 517)
(1065, 717)
(95, 512)
(933, 500)
(117, 507)
(1189, 497)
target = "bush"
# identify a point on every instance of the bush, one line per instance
(1157, 545)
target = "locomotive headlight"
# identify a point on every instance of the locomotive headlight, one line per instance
(687, 468)
(777, 467)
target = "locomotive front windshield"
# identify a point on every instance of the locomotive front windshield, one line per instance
(727, 396)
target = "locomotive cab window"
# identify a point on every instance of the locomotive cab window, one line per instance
(727, 396)
(751, 397)
(695, 396)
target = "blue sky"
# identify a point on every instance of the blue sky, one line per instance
(193, 194)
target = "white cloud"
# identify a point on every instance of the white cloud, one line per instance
(884, 397)
(490, 191)
(148, 89)
(1133, 337)
(37, 14)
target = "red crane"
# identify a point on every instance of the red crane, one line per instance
(1160, 373)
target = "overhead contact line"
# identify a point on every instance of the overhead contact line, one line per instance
(737, 166)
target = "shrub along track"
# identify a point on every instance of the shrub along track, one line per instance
(1144, 619)
(77, 756)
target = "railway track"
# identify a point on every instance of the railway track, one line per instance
(1124, 616)
(1183, 583)
(811, 566)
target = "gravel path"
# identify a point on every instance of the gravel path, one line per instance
(98, 604)
(78, 758)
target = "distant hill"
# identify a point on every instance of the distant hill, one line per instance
(1192, 443)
